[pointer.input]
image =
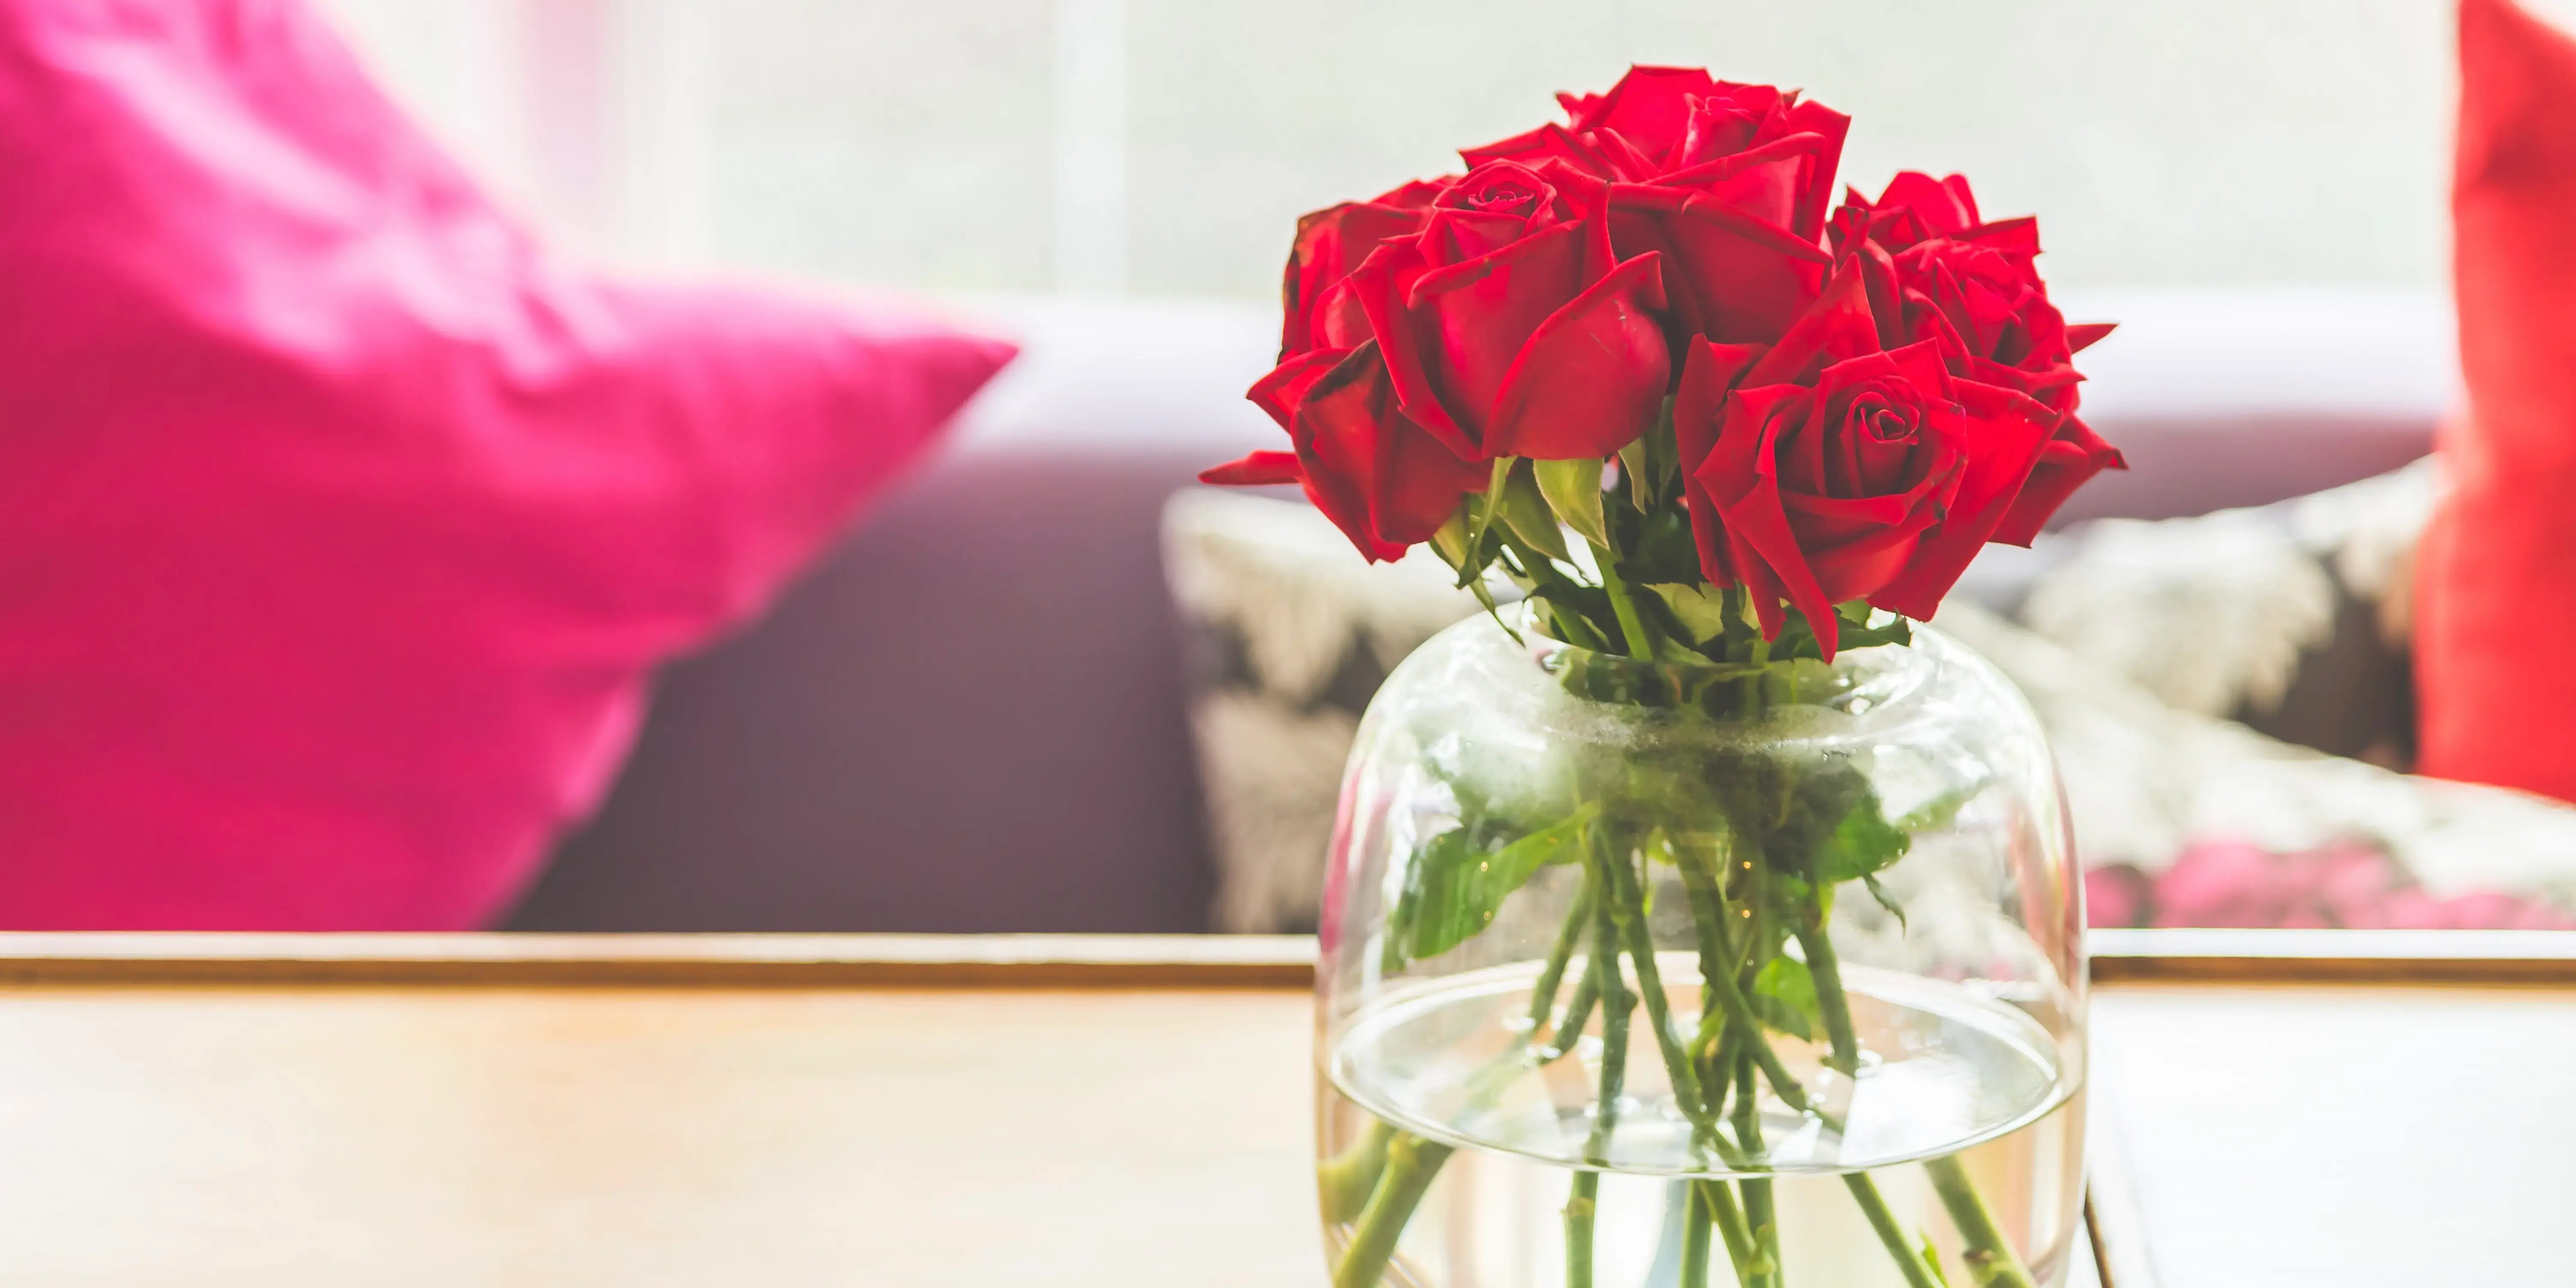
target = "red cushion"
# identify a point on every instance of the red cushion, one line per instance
(339, 525)
(2496, 618)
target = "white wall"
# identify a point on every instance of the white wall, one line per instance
(1167, 145)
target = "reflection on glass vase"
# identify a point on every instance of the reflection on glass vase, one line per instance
(1663, 975)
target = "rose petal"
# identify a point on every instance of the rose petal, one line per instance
(1330, 244)
(1380, 478)
(1999, 434)
(1592, 377)
(1469, 322)
(1456, 236)
(1539, 146)
(1732, 277)
(1279, 392)
(1816, 189)
(1256, 470)
(2069, 460)
(1837, 326)
(1708, 373)
(1857, 568)
(1649, 105)
(1741, 480)
(1382, 284)
(1944, 206)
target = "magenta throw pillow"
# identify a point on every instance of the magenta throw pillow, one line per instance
(340, 525)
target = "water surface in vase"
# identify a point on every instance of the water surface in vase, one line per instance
(1955, 1076)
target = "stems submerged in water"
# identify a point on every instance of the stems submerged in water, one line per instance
(1411, 1165)
(1616, 1004)
(1992, 1263)
(1757, 895)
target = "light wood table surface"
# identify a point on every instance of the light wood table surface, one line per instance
(777, 1112)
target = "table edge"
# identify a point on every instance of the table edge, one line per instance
(2119, 957)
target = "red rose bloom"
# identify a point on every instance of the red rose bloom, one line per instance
(1833, 467)
(1510, 329)
(1935, 270)
(1501, 325)
(1729, 183)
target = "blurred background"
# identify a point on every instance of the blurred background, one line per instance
(2257, 191)
(1042, 682)
(1163, 147)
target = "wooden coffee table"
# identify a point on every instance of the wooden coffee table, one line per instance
(774, 1111)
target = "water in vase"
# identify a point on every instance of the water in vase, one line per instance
(1465, 1150)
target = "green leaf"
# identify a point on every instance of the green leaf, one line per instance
(1936, 813)
(1633, 465)
(1525, 509)
(1856, 632)
(1885, 900)
(1665, 550)
(1573, 490)
(1575, 610)
(1485, 596)
(1784, 996)
(1494, 485)
(1700, 611)
(1864, 842)
(1451, 541)
(1455, 888)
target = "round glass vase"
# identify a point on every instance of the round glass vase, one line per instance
(1662, 975)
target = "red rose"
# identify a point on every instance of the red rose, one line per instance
(1834, 467)
(1510, 329)
(1332, 242)
(1729, 183)
(1935, 270)
(1382, 480)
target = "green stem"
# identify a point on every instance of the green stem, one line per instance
(1826, 969)
(1581, 1208)
(1695, 1235)
(1358, 1180)
(1708, 916)
(1740, 1013)
(1729, 1221)
(1411, 1165)
(1587, 992)
(1642, 636)
(1347, 1179)
(1991, 1261)
(1716, 1201)
(1761, 1216)
(1990, 1257)
(1616, 1003)
(1543, 994)
(1873, 1205)
(1628, 912)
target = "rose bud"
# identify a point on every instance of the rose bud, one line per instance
(1378, 476)
(1729, 182)
(1935, 270)
(1510, 329)
(1836, 468)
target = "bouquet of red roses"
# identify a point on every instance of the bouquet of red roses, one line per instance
(1645, 332)
(1715, 430)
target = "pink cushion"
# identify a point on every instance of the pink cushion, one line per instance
(340, 527)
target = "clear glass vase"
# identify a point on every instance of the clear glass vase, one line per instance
(1657, 975)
